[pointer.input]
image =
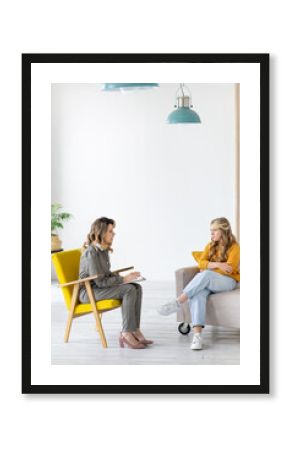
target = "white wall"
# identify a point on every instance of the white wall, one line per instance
(114, 155)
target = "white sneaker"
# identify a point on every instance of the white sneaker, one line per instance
(168, 308)
(196, 342)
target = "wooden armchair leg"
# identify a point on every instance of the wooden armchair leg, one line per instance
(71, 311)
(96, 314)
(100, 316)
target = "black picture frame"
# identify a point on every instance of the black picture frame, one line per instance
(263, 61)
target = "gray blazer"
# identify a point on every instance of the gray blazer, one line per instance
(96, 261)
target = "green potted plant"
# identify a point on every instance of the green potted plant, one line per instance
(57, 219)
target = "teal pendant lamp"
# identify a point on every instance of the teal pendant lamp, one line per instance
(128, 86)
(183, 113)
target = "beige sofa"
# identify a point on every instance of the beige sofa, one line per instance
(223, 308)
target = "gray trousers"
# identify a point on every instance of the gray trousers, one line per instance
(131, 296)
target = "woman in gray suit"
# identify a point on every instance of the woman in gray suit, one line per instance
(95, 260)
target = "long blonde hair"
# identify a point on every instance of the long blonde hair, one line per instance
(98, 230)
(226, 241)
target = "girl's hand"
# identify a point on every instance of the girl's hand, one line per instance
(131, 277)
(225, 267)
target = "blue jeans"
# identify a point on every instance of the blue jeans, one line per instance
(199, 288)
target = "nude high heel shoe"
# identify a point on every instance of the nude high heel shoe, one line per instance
(146, 341)
(142, 340)
(123, 341)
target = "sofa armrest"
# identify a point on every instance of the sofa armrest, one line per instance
(183, 276)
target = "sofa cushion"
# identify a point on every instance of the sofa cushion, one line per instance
(222, 309)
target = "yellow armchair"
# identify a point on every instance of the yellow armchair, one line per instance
(66, 265)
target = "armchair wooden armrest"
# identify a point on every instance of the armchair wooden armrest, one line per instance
(93, 277)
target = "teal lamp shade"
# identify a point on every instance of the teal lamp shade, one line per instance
(128, 86)
(183, 113)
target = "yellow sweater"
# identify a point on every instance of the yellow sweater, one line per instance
(233, 259)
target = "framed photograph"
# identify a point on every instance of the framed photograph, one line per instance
(157, 192)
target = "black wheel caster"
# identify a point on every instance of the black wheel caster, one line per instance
(184, 328)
